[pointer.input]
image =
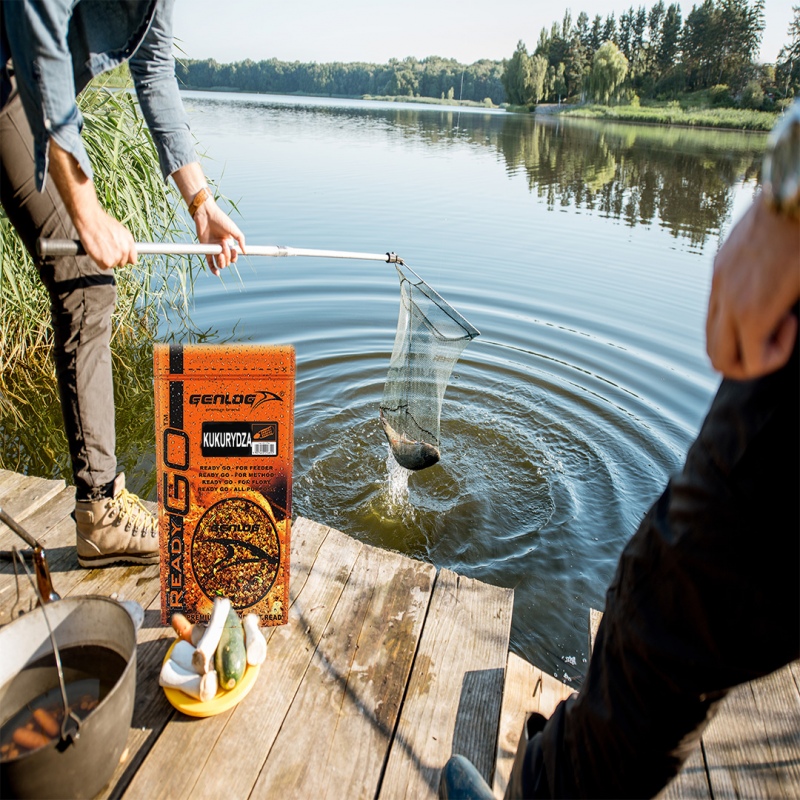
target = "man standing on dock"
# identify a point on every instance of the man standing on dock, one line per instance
(706, 595)
(49, 51)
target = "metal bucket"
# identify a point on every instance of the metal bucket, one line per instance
(83, 765)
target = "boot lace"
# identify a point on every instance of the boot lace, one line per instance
(129, 507)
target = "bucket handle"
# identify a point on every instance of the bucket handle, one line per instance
(68, 736)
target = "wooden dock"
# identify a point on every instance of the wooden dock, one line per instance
(386, 668)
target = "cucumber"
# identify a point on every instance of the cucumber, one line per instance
(231, 656)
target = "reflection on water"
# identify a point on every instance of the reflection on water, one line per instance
(581, 251)
(679, 178)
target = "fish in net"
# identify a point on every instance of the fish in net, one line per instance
(431, 335)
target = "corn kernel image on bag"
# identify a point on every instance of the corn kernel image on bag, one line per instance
(224, 450)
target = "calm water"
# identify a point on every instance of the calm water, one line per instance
(581, 251)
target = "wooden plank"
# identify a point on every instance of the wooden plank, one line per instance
(39, 522)
(256, 723)
(324, 558)
(58, 541)
(21, 498)
(737, 754)
(527, 690)
(594, 623)
(354, 684)
(777, 699)
(455, 692)
(691, 783)
(378, 676)
(9, 483)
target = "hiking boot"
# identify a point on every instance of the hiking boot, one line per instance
(116, 529)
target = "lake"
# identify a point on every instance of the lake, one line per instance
(582, 251)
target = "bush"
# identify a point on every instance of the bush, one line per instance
(671, 85)
(752, 96)
(720, 96)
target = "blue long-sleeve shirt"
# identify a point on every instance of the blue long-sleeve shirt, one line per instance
(56, 47)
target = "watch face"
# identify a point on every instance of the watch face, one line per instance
(781, 172)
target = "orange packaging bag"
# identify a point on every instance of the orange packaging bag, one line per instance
(224, 450)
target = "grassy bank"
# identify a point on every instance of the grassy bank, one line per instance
(674, 114)
(430, 101)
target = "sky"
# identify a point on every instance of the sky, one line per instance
(377, 30)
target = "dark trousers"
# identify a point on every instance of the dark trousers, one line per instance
(706, 596)
(82, 298)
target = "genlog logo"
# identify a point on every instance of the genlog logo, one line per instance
(236, 551)
(254, 399)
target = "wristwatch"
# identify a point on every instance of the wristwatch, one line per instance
(200, 198)
(781, 170)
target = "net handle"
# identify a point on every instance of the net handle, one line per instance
(59, 248)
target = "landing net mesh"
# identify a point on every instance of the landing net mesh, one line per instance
(431, 335)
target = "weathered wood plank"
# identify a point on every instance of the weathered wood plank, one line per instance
(57, 509)
(354, 684)
(205, 771)
(9, 483)
(691, 783)
(255, 723)
(28, 495)
(378, 675)
(58, 540)
(738, 757)
(595, 617)
(455, 692)
(778, 702)
(527, 690)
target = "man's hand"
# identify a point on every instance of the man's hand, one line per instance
(216, 227)
(106, 241)
(750, 327)
(213, 225)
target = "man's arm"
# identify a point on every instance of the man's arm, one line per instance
(108, 242)
(153, 71)
(212, 224)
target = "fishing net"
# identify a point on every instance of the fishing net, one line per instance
(431, 335)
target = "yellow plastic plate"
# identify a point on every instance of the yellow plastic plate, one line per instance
(221, 702)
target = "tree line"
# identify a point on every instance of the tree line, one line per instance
(435, 77)
(645, 53)
(655, 53)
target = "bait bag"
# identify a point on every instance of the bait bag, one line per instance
(224, 450)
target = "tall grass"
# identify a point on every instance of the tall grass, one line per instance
(674, 114)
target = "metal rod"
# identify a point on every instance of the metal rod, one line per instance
(19, 530)
(73, 247)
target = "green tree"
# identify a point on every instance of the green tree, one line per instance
(669, 41)
(537, 72)
(515, 75)
(576, 68)
(720, 40)
(609, 70)
(596, 34)
(610, 29)
(787, 67)
(559, 86)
